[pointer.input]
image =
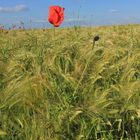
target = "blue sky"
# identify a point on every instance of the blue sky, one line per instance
(34, 13)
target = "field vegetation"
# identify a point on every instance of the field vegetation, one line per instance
(57, 86)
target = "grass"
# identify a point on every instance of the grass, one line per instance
(59, 88)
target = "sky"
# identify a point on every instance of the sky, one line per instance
(34, 13)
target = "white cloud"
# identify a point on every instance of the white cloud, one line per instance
(39, 21)
(71, 19)
(76, 19)
(17, 8)
(113, 10)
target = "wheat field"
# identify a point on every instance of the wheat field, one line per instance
(54, 85)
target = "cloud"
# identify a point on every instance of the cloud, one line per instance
(113, 10)
(17, 8)
(71, 19)
(39, 21)
(76, 19)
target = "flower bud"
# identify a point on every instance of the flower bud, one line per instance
(96, 38)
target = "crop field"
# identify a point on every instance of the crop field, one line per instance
(55, 85)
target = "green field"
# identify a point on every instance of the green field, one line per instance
(55, 86)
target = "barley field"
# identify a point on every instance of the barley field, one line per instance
(55, 85)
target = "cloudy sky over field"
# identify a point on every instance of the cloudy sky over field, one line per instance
(77, 12)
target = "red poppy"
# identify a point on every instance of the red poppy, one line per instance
(56, 15)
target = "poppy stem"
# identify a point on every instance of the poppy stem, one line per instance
(54, 32)
(54, 35)
(93, 44)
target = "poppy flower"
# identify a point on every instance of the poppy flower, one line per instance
(56, 15)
